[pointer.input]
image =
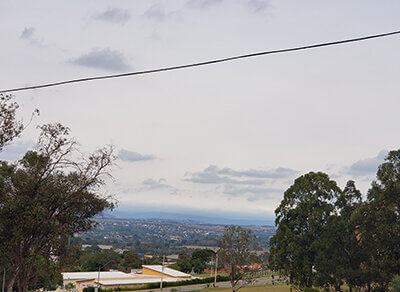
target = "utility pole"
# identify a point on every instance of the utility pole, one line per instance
(162, 272)
(96, 289)
(216, 270)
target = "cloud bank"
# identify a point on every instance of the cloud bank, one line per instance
(151, 184)
(215, 175)
(29, 34)
(367, 166)
(257, 5)
(114, 15)
(106, 59)
(131, 156)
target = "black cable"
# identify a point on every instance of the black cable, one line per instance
(203, 63)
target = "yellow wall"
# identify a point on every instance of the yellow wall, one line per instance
(150, 272)
(147, 271)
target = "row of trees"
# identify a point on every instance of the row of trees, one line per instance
(93, 258)
(327, 236)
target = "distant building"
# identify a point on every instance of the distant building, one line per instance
(117, 279)
(157, 270)
(172, 257)
(103, 246)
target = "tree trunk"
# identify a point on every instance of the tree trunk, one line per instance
(24, 284)
(11, 282)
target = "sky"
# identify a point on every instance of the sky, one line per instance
(220, 141)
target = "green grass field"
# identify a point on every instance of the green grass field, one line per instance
(257, 288)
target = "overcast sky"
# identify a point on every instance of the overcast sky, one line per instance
(222, 140)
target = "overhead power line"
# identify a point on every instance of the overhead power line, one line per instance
(210, 62)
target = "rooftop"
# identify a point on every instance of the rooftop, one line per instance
(95, 275)
(167, 271)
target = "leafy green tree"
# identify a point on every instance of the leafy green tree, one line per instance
(46, 197)
(46, 275)
(130, 260)
(200, 259)
(198, 266)
(339, 251)
(10, 128)
(379, 224)
(104, 259)
(302, 217)
(183, 263)
(235, 253)
(70, 256)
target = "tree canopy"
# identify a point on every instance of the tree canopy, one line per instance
(45, 198)
(327, 236)
(235, 253)
(302, 217)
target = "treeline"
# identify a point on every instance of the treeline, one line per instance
(93, 258)
(329, 237)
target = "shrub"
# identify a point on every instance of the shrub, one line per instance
(308, 289)
(395, 284)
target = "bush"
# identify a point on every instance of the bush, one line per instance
(308, 289)
(395, 284)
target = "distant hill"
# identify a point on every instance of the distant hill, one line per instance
(209, 219)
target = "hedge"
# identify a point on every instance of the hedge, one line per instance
(165, 284)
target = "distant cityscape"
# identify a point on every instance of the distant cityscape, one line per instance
(161, 236)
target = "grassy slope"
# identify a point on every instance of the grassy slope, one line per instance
(275, 288)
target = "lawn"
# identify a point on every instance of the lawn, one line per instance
(257, 288)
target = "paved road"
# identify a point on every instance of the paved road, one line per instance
(259, 281)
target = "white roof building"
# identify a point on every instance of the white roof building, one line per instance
(167, 271)
(74, 276)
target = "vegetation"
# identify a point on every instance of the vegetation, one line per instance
(327, 236)
(10, 128)
(196, 262)
(158, 236)
(253, 288)
(236, 255)
(395, 284)
(90, 259)
(45, 198)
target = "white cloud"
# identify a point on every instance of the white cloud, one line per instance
(29, 34)
(132, 156)
(215, 175)
(114, 15)
(366, 166)
(106, 59)
(160, 184)
(16, 150)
